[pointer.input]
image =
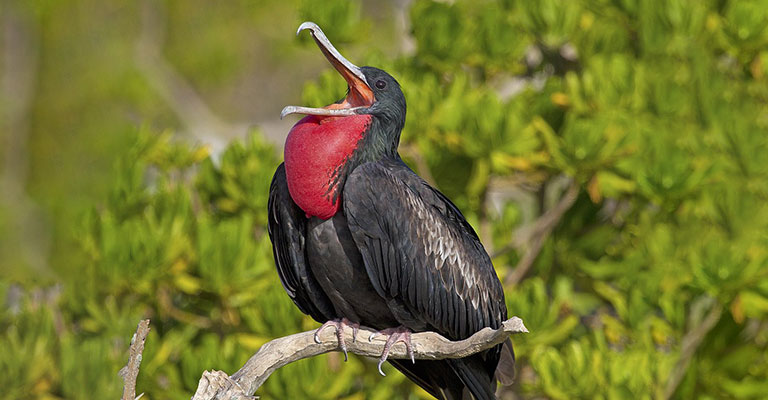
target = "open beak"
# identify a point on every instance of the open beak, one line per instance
(360, 95)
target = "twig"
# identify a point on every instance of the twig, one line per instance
(131, 370)
(539, 233)
(166, 306)
(285, 350)
(691, 342)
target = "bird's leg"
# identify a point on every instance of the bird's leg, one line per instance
(399, 334)
(339, 324)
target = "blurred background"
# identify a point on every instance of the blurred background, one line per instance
(612, 155)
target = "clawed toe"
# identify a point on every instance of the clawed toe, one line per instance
(339, 324)
(399, 334)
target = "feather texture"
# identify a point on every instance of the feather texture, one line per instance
(419, 250)
(287, 228)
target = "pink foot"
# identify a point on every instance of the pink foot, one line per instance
(399, 334)
(339, 324)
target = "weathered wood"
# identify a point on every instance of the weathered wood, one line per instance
(131, 370)
(285, 350)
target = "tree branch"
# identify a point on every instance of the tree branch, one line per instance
(539, 232)
(131, 371)
(691, 342)
(285, 350)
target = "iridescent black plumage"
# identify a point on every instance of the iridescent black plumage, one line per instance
(398, 252)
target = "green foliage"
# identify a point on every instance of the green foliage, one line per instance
(181, 240)
(656, 110)
(659, 117)
(342, 17)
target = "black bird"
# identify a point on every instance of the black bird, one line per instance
(359, 238)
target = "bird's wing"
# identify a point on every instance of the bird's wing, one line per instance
(287, 227)
(419, 250)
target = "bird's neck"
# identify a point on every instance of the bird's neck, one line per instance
(380, 141)
(319, 153)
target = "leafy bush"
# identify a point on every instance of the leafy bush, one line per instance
(655, 110)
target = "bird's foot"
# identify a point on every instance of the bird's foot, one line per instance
(399, 334)
(339, 324)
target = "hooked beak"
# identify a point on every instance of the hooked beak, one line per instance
(360, 95)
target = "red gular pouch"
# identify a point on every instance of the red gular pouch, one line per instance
(316, 150)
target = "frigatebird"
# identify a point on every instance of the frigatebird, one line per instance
(359, 238)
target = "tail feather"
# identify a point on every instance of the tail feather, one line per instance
(473, 373)
(436, 377)
(454, 379)
(505, 371)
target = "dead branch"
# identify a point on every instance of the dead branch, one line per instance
(131, 370)
(285, 350)
(539, 232)
(691, 342)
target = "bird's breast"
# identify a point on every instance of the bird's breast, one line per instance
(316, 151)
(338, 266)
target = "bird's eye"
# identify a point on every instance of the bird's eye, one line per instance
(381, 84)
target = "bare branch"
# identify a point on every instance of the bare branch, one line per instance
(691, 342)
(285, 350)
(131, 371)
(539, 232)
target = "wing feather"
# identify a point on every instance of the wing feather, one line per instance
(419, 250)
(287, 227)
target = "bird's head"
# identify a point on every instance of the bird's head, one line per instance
(326, 145)
(371, 92)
